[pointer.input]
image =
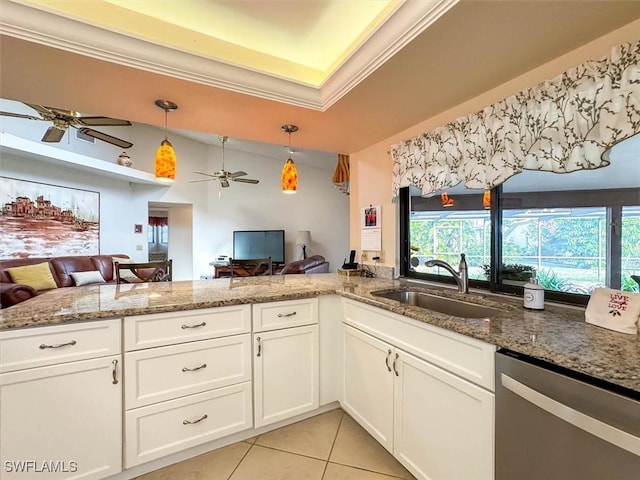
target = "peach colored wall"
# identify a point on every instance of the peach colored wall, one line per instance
(371, 168)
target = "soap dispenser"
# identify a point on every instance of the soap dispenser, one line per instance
(533, 294)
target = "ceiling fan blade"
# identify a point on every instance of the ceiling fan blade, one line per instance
(246, 180)
(237, 174)
(20, 115)
(198, 181)
(53, 134)
(224, 182)
(103, 122)
(206, 174)
(44, 111)
(106, 138)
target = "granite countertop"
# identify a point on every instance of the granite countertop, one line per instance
(558, 334)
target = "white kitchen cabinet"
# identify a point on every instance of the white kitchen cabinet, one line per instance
(63, 420)
(437, 424)
(286, 361)
(157, 374)
(157, 430)
(443, 425)
(188, 380)
(368, 384)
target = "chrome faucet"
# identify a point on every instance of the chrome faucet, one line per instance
(461, 276)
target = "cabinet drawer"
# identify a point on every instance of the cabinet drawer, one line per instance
(161, 329)
(164, 373)
(158, 430)
(464, 356)
(290, 313)
(42, 346)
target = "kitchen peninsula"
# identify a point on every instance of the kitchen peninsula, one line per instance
(253, 316)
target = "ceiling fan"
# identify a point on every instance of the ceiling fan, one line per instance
(223, 175)
(63, 119)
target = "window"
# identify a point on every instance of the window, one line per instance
(158, 230)
(578, 231)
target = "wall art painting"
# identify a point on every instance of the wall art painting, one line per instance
(41, 220)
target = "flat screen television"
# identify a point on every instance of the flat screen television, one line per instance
(248, 244)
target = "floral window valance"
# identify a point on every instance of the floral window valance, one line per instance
(562, 125)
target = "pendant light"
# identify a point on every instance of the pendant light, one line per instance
(165, 163)
(341, 174)
(289, 177)
(446, 200)
(486, 199)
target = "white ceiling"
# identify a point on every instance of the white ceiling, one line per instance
(468, 48)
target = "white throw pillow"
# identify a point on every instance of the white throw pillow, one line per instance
(86, 278)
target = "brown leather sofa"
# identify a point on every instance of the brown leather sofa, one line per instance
(60, 267)
(314, 264)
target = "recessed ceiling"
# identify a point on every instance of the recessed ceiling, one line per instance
(307, 53)
(467, 48)
(301, 41)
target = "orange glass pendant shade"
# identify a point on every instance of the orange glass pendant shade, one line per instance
(446, 200)
(165, 163)
(289, 177)
(486, 199)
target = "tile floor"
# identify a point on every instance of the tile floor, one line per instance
(330, 446)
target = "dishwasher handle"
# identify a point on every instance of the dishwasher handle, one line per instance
(606, 432)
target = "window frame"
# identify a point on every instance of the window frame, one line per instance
(613, 200)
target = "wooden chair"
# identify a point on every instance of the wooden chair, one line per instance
(251, 267)
(143, 272)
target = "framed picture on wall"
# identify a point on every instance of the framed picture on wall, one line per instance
(371, 217)
(42, 220)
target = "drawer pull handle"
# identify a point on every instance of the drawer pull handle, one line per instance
(58, 345)
(189, 422)
(186, 369)
(115, 371)
(203, 324)
(386, 360)
(394, 365)
(285, 315)
(259, 347)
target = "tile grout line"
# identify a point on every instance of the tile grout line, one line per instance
(243, 457)
(333, 444)
(370, 471)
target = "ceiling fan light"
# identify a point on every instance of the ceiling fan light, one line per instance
(289, 178)
(165, 162)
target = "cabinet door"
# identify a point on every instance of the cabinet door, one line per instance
(443, 426)
(285, 373)
(368, 384)
(65, 420)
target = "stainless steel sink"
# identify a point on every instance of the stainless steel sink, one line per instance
(448, 306)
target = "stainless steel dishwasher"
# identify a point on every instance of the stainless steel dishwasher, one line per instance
(555, 424)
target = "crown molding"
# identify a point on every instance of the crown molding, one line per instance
(46, 28)
(407, 22)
